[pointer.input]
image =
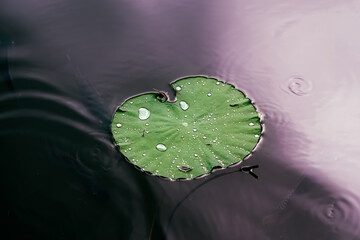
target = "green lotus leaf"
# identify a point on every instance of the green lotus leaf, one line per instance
(211, 124)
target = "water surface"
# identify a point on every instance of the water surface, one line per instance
(65, 66)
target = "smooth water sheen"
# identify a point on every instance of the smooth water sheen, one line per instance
(65, 66)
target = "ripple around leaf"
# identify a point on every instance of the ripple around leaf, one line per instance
(164, 144)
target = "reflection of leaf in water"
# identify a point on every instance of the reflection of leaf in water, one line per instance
(210, 124)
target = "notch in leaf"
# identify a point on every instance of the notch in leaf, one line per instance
(161, 96)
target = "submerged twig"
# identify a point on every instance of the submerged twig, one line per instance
(249, 169)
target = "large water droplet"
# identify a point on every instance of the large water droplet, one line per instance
(161, 147)
(144, 113)
(185, 124)
(178, 88)
(209, 94)
(194, 129)
(251, 124)
(184, 106)
(118, 125)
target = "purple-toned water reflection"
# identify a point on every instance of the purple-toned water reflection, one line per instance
(65, 66)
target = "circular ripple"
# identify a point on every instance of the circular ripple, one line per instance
(299, 86)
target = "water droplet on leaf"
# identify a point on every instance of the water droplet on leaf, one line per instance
(184, 106)
(144, 113)
(161, 147)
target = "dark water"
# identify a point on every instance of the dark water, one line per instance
(66, 65)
